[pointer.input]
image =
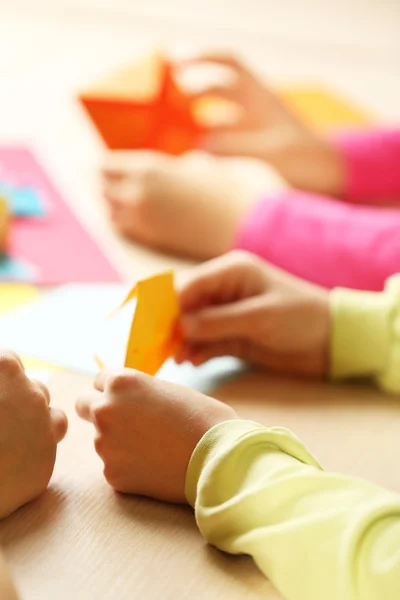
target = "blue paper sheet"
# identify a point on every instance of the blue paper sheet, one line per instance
(24, 201)
(15, 270)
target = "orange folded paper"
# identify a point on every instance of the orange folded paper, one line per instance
(154, 336)
(141, 106)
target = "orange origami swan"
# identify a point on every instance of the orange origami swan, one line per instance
(141, 106)
(154, 335)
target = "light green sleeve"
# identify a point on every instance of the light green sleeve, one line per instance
(365, 338)
(315, 535)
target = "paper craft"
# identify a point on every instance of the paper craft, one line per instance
(76, 330)
(23, 201)
(154, 335)
(142, 106)
(55, 248)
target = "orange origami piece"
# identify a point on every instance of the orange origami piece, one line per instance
(142, 106)
(154, 336)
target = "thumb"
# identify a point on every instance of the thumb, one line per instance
(222, 322)
(59, 423)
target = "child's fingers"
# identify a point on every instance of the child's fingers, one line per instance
(221, 322)
(125, 164)
(229, 92)
(236, 142)
(213, 282)
(218, 58)
(59, 423)
(114, 166)
(119, 164)
(185, 353)
(101, 379)
(42, 388)
(181, 355)
(125, 191)
(86, 404)
(201, 353)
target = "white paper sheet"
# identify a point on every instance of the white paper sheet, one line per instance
(67, 327)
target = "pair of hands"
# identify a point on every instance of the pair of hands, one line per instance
(146, 432)
(269, 130)
(147, 429)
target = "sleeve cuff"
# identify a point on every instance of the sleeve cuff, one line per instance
(222, 438)
(360, 333)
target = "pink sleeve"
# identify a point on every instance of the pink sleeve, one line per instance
(324, 241)
(372, 160)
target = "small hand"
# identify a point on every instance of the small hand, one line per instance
(146, 431)
(240, 306)
(29, 433)
(269, 130)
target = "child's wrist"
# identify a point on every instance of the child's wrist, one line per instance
(309, 163)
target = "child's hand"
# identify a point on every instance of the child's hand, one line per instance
(29, 434)
(147, 430)
(269, 130)
(260, 108)
(240, 306)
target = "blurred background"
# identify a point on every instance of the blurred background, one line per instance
(50, 49)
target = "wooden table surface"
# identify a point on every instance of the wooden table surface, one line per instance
(80, 540)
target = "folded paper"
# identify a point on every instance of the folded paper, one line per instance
(154, 335)
(141, 106)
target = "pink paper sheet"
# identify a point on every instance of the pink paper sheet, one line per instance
(56, 247)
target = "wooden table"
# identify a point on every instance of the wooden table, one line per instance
(80, 540)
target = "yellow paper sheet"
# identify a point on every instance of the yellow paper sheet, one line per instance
(154, 334)
(15, 294)
(324, 109)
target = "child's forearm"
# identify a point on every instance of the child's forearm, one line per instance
(326, 242)
(371, 165)
(316, 535)
(7, 589)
